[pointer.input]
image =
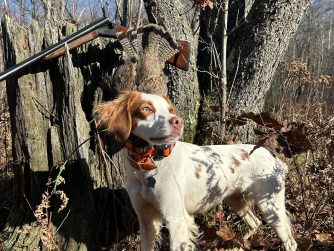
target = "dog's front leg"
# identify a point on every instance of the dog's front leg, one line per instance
(149, 224)
(182, 232)
(149, 218)
(148, 231)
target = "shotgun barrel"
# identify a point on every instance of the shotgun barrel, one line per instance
(41, 55)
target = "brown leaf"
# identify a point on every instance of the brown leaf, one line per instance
(259, 241)
(204, 3)
(226, 233)
(294, 141)
(324, 238)
(269, 141)
(263, 118)
(305, 244)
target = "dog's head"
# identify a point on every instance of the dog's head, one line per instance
(152, 118)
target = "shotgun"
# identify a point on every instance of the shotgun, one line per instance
(102, 27)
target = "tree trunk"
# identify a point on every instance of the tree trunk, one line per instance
(258, 45)
(51, 116)
(261, 41)
(259, 32)
(184, 89)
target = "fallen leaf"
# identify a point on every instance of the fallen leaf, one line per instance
(259, 242)
(305, 244)
(324, 238)
(220, 216)
(204, 3)
(226, 233)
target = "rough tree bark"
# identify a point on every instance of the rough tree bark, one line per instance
(259, 32)
(51, 115)
(262, 41)
(257, 47)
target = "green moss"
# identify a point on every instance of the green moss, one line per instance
(190, 131)
(190, 128)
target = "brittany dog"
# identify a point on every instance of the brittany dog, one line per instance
(169, 181)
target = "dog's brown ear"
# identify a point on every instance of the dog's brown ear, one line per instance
(115, 115)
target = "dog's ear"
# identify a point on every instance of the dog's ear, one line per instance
(115, 115)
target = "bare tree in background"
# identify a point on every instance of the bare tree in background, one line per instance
(313, 44)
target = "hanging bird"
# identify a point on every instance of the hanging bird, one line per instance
(147, 49)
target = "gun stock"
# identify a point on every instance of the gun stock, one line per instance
(80, 41)
(181, 59)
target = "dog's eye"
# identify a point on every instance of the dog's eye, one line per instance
(171, 110)
(146, 109)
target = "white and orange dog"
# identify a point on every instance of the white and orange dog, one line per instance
(169, 181)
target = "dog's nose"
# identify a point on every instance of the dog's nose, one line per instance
(176, 122)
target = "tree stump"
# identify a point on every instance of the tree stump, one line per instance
(51, 118)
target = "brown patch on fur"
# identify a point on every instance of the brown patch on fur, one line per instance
(140, 110)
(116, 115)
(232, 170)
(236, 162)
(136, 115)
(198, 170)
(244, 155)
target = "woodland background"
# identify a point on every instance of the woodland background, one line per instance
(295, 103)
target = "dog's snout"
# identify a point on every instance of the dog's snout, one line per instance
(176, 122)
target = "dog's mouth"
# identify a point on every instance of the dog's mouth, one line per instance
(165, 139)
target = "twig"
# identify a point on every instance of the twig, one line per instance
(63, 221)
(25, 197)
(49, 230)
(139, 14)
(118, 172)
(130, 13)
(118, 12)
(235, 77)
(78, 20)
(46, 109)
(223, 77)
(104, 159)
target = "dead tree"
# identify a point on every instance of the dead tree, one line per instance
(51, 119)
